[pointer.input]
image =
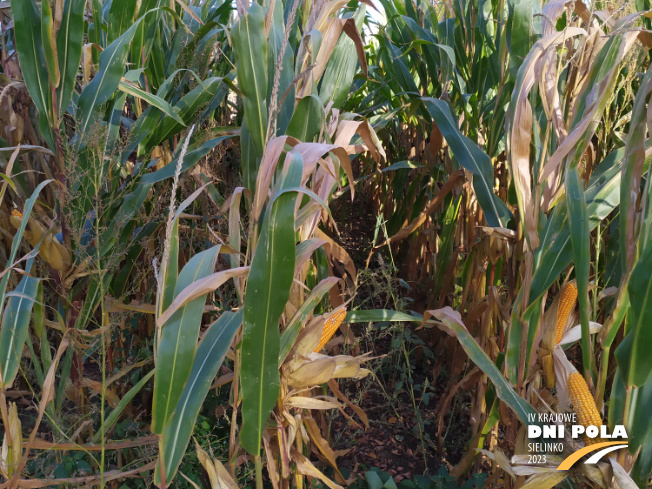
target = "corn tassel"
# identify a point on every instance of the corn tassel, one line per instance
(331, 325)
(584, 405)
(566, 306)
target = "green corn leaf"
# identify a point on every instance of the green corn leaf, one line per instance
(307, 120)
(632, 172)
(186, 110)
(15, 328)
(275, 43)
(39, 313)
(250, 48)
(120, 18)
(205, 34)
(639, 426)
(453, 325)
(523, 26)
(633, 353)
(150, 121)
(30, 53)
(49, 44)
(643, 466)
(115, 413)
(114, 123)
(400, 70)
(249, 161)
(342, 66)
(176, 347)
(96, 33)
(639, 429)
(602, 197)
(153, 100)
(578, 221)
(268, 289)
(471, 157)
(208, 359)
(432, 51)
(143, 37)
(155, 60)
(190, 160)
(617, 402)
(102, 87)
(382, 315)
(170, 270)
(449, 226)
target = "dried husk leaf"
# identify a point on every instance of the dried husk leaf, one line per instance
(312, 373)
(217, 474)
(306, 468)
(12, 452)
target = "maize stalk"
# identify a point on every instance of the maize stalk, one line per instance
(584, 405)
(331, 325)
(566, 306)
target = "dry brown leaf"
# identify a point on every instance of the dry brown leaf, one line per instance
(198, 288)
(351, 30)
(590, 114)
(501, 460)
(109, 396)
(40, 444)
(357, 409)
(218, 475)
(310, 403)
(306, 468)
(107, 476)
(266, 170)
(12, 444)
(322, 445)
(521, 131)
(272, 469)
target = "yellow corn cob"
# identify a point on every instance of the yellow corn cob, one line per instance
(584, 405)
(51, 250)
(331, 325)
(566, 306)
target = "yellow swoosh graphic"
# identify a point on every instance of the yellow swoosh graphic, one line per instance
(570, 460)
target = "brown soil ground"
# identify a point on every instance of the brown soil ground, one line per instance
(393, 442)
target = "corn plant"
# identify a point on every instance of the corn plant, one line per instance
(511, 93)
(96, 137)
(565, 188)
(517, 190)
(108, 192)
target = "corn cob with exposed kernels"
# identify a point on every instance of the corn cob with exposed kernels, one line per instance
(330, 326)
(584, 405)
(566, 306)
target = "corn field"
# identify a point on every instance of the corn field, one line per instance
(225, 223)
